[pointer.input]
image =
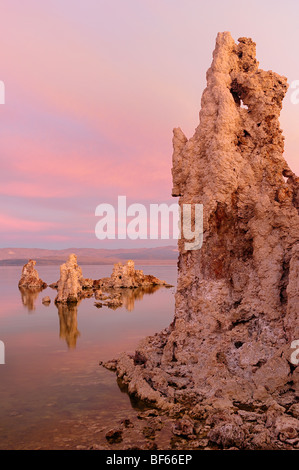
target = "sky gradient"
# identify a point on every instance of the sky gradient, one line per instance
(93, 91)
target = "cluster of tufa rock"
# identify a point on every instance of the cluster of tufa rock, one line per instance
(226, 357)
(72, 286)
(126, 276)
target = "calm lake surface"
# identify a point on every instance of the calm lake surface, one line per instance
(52, 383)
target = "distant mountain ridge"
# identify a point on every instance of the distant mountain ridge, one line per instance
(158, 255)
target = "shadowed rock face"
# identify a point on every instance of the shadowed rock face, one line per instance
(30, 278)
(237, 300)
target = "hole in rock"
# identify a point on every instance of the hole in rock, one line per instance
(238, 344)
(236, 97)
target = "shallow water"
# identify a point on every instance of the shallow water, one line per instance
(51, 383)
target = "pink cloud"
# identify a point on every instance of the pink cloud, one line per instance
(14, 224)
(93, 94)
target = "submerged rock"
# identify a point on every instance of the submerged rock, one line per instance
(114, 436)
(114, 302)
(30, 278)
(237, 299)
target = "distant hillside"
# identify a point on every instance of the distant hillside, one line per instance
(20, 256)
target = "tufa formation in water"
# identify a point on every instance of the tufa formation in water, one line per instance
(30, 278)
(226, 357)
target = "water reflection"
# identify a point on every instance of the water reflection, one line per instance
(68, 324)
(68, 313)
(128, 297)
(29, 297)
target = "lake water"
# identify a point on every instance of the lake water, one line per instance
(52, 387)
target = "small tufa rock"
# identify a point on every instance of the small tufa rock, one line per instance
(127, 423)
(287, 428)
(148, 414)
(227, 435)
(183, 427)
(114, 436)
(149, 432)
(294, 410)
(98, 304)
(114, 302)
(30, 278)
(46, 300)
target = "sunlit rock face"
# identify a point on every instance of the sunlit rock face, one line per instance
(237, 301)
(70, 282)
(30, 278)
(126, 276)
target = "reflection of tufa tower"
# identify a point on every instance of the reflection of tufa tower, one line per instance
(129, 296)
(29, 297)
(68, 324)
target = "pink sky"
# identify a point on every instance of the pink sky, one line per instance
(93, 91)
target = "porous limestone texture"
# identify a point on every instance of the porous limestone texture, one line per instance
(226, 357)
(30, 278)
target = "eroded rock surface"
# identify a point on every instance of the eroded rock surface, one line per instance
(30, 278)
(226, 355)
